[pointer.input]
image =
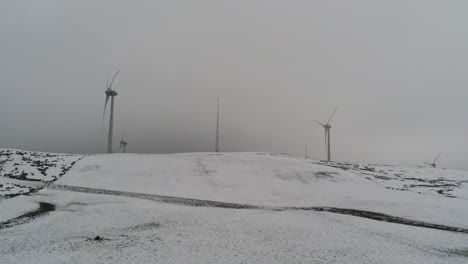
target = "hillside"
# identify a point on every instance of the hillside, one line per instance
(23, 172)
(238, 202)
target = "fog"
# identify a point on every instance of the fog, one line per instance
(397, 70)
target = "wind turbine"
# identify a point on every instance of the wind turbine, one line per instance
(327, 128)
(307, 149)
(433, 164)
(123, 144)
(217, 129)
(110, 94)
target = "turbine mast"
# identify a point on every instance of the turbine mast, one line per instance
(111, 126)
(329, 149)
(217, 129)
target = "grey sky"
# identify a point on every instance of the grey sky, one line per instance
(396, 68)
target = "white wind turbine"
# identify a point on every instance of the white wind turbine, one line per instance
(327, 128)
(433, 164)
(110, 94)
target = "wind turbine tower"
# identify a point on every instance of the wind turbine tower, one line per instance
(110, 94)
(307, 149)
(217, 129)
(327, 128)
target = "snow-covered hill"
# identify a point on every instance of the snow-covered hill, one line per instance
(422, 180)
(271, 180)
(229, 177)
(147, 205)
(250, 178)
(34, 166)
(257, 176)
(22, 172)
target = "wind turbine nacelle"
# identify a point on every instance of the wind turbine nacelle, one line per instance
(111, 93)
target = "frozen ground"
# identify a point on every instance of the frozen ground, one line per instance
(423, 179)
(34, 166)
(12, 187)
(264, 179)
(140, 231)
(24, 172)
(236, 208)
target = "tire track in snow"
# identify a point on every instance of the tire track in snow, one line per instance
(378, 217)
(207, 203)
(157, 198)
(43, 209)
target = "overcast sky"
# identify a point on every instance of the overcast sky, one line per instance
(398, 70)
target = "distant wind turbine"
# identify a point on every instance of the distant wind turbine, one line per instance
(307, 149)
(433, 164)
(327, 128)
(110, 94)
(123, 144)
(217, 129)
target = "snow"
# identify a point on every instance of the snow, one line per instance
(34, 166)
(233, 177)
(141, 230)
(11, 208)
(261, 179)
(426, 180)
(13, 187)
(22, 172)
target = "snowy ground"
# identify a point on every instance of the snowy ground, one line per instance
(262, 179)
(147, 209)
(23, 172)
(34, 166)
(12, 187)
(139, 231)
(422, 180)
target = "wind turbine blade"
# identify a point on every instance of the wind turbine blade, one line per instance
(427, 163)
(334, 111)
(319, 123)
(105, 105)
(437, 158)
(110, 86)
